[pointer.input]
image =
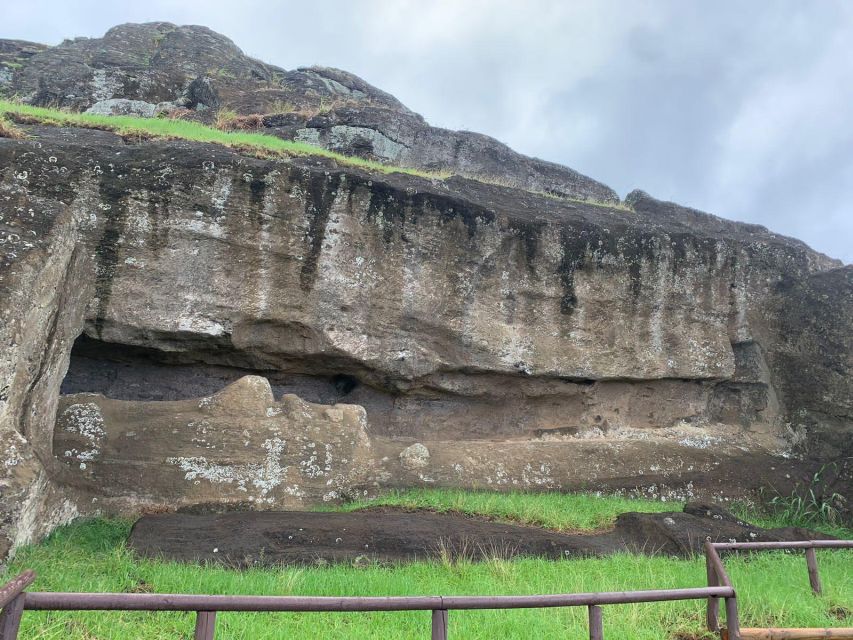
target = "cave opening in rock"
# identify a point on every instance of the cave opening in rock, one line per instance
(127, 372)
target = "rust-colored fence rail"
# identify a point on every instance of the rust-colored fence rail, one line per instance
(717, 576)
(206, 606)
(14, 600)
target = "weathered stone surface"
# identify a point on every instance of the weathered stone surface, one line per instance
(190, 66)
(13, 55)
(404, 139)
(240, 446)
(125, 107)
(44, 288)
(415, 456)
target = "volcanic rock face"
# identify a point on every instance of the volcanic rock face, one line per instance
(492, 336)
(145, 69)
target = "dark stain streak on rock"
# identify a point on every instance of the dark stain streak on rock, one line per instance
(257, 187)
(321, 192)
(388, 204)
(530, 237)
(574, 250)
(107, 249)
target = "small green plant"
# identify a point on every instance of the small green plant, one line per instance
(811, 504)
(225, 119)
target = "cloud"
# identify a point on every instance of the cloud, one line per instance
(742, 109)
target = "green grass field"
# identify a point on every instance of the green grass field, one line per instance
(773, 587)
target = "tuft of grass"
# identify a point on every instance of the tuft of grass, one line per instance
(552, 510)
(227, 120)
(9, 130)
(813, 503)
(92, 556)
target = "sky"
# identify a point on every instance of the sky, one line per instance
(742, 109)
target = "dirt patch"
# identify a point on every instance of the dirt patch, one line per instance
(243, 539)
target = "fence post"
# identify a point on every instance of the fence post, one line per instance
(10, 618)
(712, 613)
(205, 625)
(814, 577)
(732, 619)
(596, 624)
(439, 624)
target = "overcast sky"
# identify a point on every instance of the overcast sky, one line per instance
(743, 109)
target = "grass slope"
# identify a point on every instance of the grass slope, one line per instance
(167, 128)
(257, 144)
(773, 587)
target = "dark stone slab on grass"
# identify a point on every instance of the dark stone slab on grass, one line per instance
(242, 539)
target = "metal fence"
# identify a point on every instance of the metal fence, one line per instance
(717, 576)
(14, 600)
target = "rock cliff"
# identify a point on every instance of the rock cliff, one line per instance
(184, 325)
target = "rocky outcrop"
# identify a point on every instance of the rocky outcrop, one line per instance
(14, 54)
(149, 69)
(491, 337)
(404, 139)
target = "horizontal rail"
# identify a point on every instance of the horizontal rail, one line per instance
(58, 601)
(801, 544)
(584, 599)
(11, 589)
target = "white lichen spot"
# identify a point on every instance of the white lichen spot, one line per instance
(86, 421)
(201, 325)
(263, 476)
(13, 456)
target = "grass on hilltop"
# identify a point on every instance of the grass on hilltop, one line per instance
(773, 587)
(229, 132)
(176, 128)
